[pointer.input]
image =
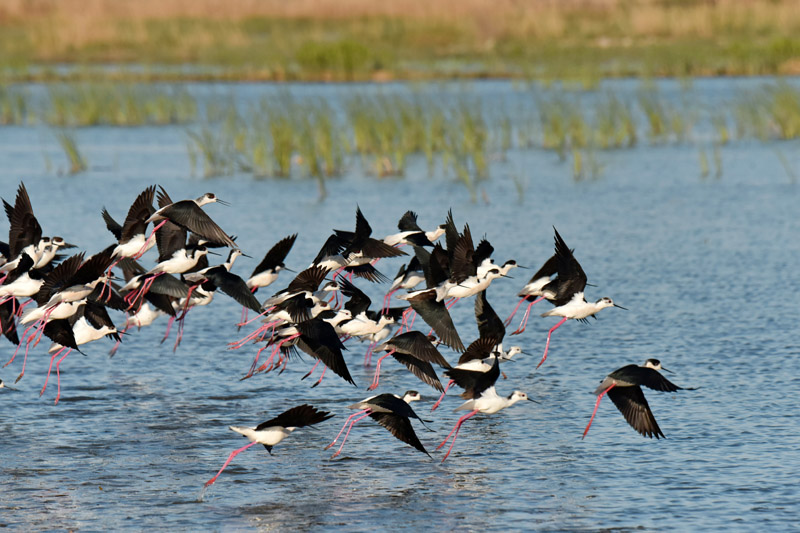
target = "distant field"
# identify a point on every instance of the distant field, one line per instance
(404, 39)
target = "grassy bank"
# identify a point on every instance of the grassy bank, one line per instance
(408, 39)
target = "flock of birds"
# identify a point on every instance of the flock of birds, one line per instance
(68, 299)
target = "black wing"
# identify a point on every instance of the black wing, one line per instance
(367, 272)
(56, 278)
(189, 215)
(140, 210)
(640, 375)
(483, 251)
(91, 269)
(375, 248)
(318, 339)
(571, 277)
(234, 286)
(169, 239)
(632, 404)
(276, 255)
(24, 228)
(112, 225)
(358, 302)
(401, 428)
(489, 324)
(332, 246)
(296, 417)
(422, 369)
(7, 324)
(479, 349)
(60, 332)
(436, 315)
(418, 345)
(408, 222)
(308, 280)
(474, 382)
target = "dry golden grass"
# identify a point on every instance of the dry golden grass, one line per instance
(519, 31)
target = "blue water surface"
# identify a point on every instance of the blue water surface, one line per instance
(706, 266)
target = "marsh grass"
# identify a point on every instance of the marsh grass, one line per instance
(456, 133)
(69, 144)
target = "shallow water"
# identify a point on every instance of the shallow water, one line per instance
(707, 269)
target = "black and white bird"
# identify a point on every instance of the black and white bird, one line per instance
(416, 351)
(266, 272)
(273, 431)
(390, 411)
(624, 387)
(188, 214)
(481, 396)
(132, 234)
(566, 292)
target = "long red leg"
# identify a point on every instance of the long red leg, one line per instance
(378, 372)
(169, 327)
(366, 414)
(596, 405)
(456, 429)
(349, 418)
(547, 344)
(58, 374)
(324, 368)
(143, 249)
(230, 458)
(50, 368)
(450, 384)
(368, 354)
(524, 322)
(514, 312)
(311, 371)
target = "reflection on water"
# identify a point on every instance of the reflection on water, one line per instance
(134, 438)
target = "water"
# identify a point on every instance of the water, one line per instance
(706, 267)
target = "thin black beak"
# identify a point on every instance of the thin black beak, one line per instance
(289, 270)
(526, 268)
(667, 370)
(245, 255)
(212, 253)
(625, 308)
(532, 400)
(223, 202)
(505, 276)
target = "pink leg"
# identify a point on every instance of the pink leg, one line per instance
(58, 374)
(311, 371)
(169, 327)
(50, 368)
(366, 414)
(514, 312)
(450, 384)
(346, 422)
(24, 334)
(596, 405)
(24, 360)
(368, 354)
(456, 429)
(141, 251)
(547, 344)
(378, 372)
(113, 350)
(324, 368)
(451, 303)
(230, 458)
(524, 323)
